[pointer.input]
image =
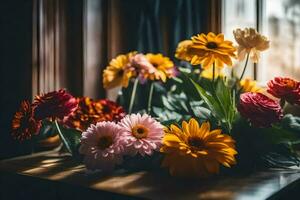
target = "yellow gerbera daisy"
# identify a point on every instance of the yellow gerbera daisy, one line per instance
(194, 151)
(163, 65)
(249, 85)
(184, 51)
(211, 48)
(117, 72)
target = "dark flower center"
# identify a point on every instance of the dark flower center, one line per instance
(211, 45)
(106, 109)
(196, 142)
(155, 65)
(120, 72)
(140, 131)
(105, 142)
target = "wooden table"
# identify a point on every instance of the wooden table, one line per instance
(49, 175)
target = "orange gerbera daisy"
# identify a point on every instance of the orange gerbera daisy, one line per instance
(90, 112)
(196, 151)
(184, 51)
(211, 48)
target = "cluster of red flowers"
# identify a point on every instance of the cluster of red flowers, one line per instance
(60, 105)
(262, 111)
(286, 89)
(53, 105)
(90, 112)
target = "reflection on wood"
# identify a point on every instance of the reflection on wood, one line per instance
(53, 167)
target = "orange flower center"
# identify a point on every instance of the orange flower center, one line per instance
(211, 45)
(105, 142)
(196, 142)
(140, 131)
(289, 83)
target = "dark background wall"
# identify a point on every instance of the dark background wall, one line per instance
(15, 68)
(18, 20)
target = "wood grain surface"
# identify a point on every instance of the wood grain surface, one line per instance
(50, 168)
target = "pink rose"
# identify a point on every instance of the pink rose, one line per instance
(259, 109)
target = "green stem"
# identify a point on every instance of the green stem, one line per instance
(244, 70)
(150, 97)
(63, 137)
(133, 93)
(282, 103)
(214, 70)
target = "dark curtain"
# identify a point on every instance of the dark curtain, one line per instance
(113, 27)
(158, 25)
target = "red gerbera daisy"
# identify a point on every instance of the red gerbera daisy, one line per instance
(23, 123)
(56, 104)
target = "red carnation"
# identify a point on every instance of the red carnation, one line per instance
(259, 109)
(56, 104)
(286, 89)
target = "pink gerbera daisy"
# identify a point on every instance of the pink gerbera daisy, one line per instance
(101, 146)
(141, 133)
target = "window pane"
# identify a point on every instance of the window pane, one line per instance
(239, 14)
(281, 23)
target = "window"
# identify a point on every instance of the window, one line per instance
(280, 21)
(239, 14)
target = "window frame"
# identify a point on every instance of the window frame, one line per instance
(259, 5)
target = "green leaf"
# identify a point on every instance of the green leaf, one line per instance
(200, 111)
(210, 101)
(47, 130)
(72, 137)
(280, 155)
(292, 123)
(167, 115)
(166, 103)
(220, 102)
(216, 107)
(277, 135)
(226, 100)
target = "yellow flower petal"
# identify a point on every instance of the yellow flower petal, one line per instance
(116, 73)
(195, 150)
(206, 50)
(249, 85)
(164, 67)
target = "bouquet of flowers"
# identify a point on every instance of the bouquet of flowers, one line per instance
(196, 120)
